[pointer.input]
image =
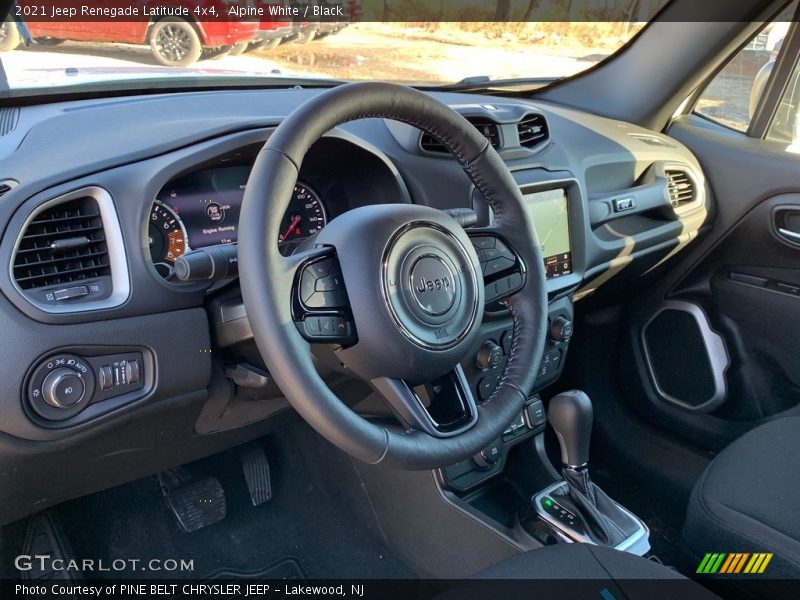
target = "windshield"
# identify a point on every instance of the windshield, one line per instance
(61, 44)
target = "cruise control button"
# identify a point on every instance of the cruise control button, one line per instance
(483, 242)
(497, 265)
(313, 327)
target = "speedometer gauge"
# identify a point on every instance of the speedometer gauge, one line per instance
(304, 217)
(167, 238)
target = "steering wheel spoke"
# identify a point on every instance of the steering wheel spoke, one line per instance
(504, 272)
(442, 408)
(320, 305)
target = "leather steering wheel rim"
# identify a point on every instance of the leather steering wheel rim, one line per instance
(266, 276)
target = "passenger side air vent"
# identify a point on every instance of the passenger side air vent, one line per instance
(487, 128)
(680, 187)
(532, 131)
(61, 245)
(9, 116)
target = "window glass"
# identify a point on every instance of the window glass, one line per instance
(732, 96)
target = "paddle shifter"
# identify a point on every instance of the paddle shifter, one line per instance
(576, 507)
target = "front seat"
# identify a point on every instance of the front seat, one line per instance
(578, 571)
(747, 500)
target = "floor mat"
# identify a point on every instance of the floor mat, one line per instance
(324, 539)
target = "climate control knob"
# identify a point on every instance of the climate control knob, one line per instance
(489, 356)
(63, 388)
(561, 329)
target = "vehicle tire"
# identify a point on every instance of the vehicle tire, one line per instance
(265, 46)
(175, 43)
(9, 36)
(216, 53)
(305, 36)
(238, 49)
(49, 41)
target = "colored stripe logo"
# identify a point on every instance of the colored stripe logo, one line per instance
(734, 563)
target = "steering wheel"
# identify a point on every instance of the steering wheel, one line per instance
(395, 291)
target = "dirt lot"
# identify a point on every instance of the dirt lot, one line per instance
(360, 52)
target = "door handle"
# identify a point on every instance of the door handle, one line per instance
(786, 224)
(792, 236)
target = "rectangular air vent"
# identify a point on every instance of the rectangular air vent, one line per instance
(680, 187)
(487, 128)
(533, 131)
(62, 244)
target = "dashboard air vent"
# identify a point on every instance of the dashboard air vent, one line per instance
(487, 128)
(532, 131)
(9, 116)
(680, 187)
(62, 244)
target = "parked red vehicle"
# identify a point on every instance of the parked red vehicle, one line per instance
(272, 32)
(175, 41)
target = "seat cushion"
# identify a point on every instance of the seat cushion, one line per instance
(578, 571)
(748, 499)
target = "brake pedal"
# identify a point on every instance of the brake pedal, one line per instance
(256, 473)
(197, 504)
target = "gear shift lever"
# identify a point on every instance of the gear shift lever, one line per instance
(570, 415)
(590, 512)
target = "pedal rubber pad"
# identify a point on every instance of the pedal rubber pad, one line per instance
(256, 473)
(198, 504)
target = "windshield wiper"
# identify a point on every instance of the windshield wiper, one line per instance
(483, 83)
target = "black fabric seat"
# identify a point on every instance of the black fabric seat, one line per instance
(578, 571)
(748, 499)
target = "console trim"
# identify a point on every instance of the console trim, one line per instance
(637, 543)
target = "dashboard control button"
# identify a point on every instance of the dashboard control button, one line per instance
(63, 388)
(561, 329)
(106, 377)
(489, 356)
(536, 414)
(487, 457)
(132, 373)
(78, 291)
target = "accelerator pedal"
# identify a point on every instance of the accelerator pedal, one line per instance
(195, 504)
(256, 473)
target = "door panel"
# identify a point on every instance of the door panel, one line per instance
(743, 282)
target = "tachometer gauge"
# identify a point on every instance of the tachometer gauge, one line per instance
(167, 237)
(304, 217)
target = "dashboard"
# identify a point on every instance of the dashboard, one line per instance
(101, 197)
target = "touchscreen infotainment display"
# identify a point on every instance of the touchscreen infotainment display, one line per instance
(550, 215)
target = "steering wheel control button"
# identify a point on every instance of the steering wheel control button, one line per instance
(433, 285)
(322, 286)
(502, 272)
(490, 356)
(63, 388)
